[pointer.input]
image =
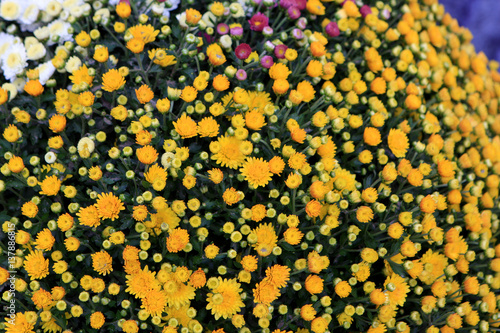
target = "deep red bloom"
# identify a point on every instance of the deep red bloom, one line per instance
(279, 51)
(243, 51)
(332, 29)
(286, 3)
(365, 10)
(300, 4)
(258, 22)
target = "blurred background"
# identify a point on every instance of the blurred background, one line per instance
(481, 18)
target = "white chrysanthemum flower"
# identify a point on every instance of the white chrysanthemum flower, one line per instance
(42, 33)
(86, 143)
(73, 64)
(30, 41)
(170, 5)
(158, 8)
(36, 51)
(19, 83)
(11, 10)
(86, 8)
(209, 19)
(113, 2)
(53, 8)
(50, 157)
(30, 14)
(45, 72)
(14, 60)
(68, 5)
(236, 10)
(166, 159)
(11, 89)
(103, 12)
(77, 11)
(181, 18)
(6, 40)
(226, 41)
(43, 4)
(60, 32)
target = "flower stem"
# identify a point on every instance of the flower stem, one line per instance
(144, 74)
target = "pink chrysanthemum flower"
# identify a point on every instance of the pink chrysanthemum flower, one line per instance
(258, 22)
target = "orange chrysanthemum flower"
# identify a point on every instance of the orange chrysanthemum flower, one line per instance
(123, 10)
(97, 320)
(192, 16)
(278, 275)
(228, 152)
(109, 206)
(256, 172)
(144, 94)
(33, 88)
(225, 300)
(44, 240)
(398, 142)
(36, 265)
(177, 240)
(50, 185)
(146, 33)
(147, 154)
(371, 136)
(102, 262)
(185, 126)
(57, 123)
(112, 80)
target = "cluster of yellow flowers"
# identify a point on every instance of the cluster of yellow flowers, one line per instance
(271, 166)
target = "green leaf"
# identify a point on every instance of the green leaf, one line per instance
(397, 268)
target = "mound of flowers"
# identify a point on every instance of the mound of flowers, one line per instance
(248, 166)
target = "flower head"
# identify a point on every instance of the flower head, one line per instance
(243, 51)
(36, 265)
(141, 283)
(147, 154)
(229, 152)
(97, 319)
(398, 142)
(50, 185)
(81, 75)
(112, 80)
(225, 300)
(177, 240)
(256, 172)
(154, 302)
(123, 9)
(278, 275)
(57, 123)
(44, 240)
(146, 33)
(185, 126)
(265, 239)
(109, 206)
(258, 22)
(11, 133)
(102, 262)
(397, 291)
(192, 16)
(144, 94)
(33, 88)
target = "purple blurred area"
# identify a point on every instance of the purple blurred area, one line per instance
(481, 17)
